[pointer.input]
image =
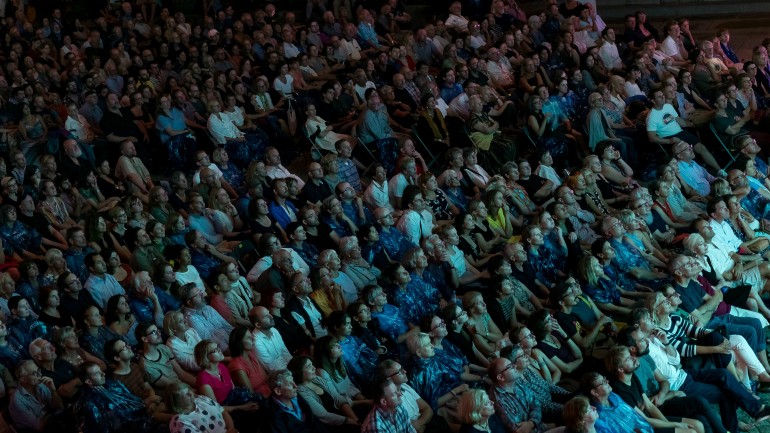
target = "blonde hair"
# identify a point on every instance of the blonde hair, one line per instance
(586, 271)
(690, 241)
(171, 320)
(721, 187)
(52, 255)
(470, 404)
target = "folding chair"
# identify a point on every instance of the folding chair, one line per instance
(728, 149)
(315, 152)
(433, 158)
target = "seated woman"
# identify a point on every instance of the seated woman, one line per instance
(190, 409)
(477, 413)
(496, 148)
(434, 378)
(331, 368)
(321, 133)
(431, 127)
(214, 382)
(539, 363)
(500, 220)
(49, 301)
(182, 339)
(465, 225)
(119, 318)
(245, 369)
(414, 299)
(638, 236)
(326, 404)
(175, 135)
(554, 343)
(485, 332)
(243, 147)
(69, 350)
(579, 416)
(360, 360)
(390, 319)
(436, 199)
(488, 240)
(609, 297)
(544, 130)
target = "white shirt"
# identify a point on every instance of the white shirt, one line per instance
(415, 225)
(610, 56)
(670, 366)
(78, 127)
(724, 236)
(315, 317)
(280, 172)
(184, 350)
(265, 262)
(376, 195)
(270, 350)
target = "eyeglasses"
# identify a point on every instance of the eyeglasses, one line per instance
(689, 147)
(153, 332)
(603, 381)
(510, 366)
(441, 324)
(400, 371)
(35, 373)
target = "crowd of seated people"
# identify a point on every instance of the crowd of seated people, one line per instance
(506, 219)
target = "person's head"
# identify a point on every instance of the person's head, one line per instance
(579, 415)
(179, 397)
(207, 353)
(282, 385)
(420, 345)
(91, 374)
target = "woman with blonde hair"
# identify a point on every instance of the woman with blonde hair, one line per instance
(182, 340)
(609, 297)
(55, 267)
(477, 413)
(723, 273)
(733, 353)
(69, 350)
(638, 236)
(485, 332)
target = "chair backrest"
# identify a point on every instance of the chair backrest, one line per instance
(724, 145)
(387, 148)
(528, 135)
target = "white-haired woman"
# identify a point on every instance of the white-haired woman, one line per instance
(477, 413)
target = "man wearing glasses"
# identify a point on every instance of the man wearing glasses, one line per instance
(158, 362)
(36, 403)
(515, 403)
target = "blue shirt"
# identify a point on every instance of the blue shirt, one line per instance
(175, 120)
(375, 125)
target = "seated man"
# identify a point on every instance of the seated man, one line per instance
(515, 404)
(203, 317)
(664, 127)
(157, 361)
(390, 413)
(131, 170)
(269, 346)
(286, 411)
(96, 410)
(696, 179)
(36, 404)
